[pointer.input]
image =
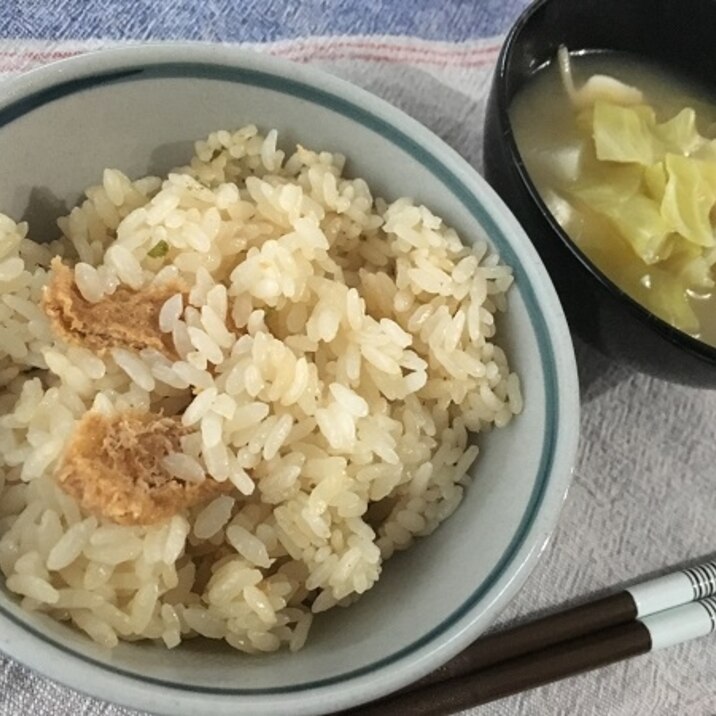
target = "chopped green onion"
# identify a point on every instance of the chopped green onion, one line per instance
(158, 250)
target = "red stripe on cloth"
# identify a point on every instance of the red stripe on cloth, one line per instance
(319, 43)
(304, 52)
(394, 47)
(41, 54)
(377, 57)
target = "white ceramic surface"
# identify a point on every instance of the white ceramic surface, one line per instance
(138, 109)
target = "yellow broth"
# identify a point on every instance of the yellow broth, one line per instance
(558, 151)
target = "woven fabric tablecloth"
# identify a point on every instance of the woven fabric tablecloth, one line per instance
(643, 498)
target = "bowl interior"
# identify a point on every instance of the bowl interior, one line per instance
(658, 31)
(53, 145)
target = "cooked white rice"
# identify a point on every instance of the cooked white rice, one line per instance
(335, 355)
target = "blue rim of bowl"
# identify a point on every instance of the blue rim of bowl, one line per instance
(340, 105)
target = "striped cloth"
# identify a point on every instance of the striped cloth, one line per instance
(255, 20)
(643, 497)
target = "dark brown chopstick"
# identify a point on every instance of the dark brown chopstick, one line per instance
(510, 677)
(654, 614)
(539, 634)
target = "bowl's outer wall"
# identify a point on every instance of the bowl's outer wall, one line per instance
(674, 34)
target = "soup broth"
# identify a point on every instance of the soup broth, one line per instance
(557, 143)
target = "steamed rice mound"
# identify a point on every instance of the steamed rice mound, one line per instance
(327, 361)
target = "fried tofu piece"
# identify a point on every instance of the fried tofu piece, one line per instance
(113, 467)
(126, 319)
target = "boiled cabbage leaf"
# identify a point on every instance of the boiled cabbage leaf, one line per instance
(623, 134)
(655, 180)
(693, 265)
(707, 151)
(679, 134)
(608, 185)
(638, 219)
(689, 196)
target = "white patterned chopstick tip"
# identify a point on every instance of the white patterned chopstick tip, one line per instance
(671, 590)
(680, 624)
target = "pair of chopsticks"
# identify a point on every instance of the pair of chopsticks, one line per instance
(652, 615)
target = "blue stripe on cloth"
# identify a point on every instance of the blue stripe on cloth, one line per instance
(254, 20)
